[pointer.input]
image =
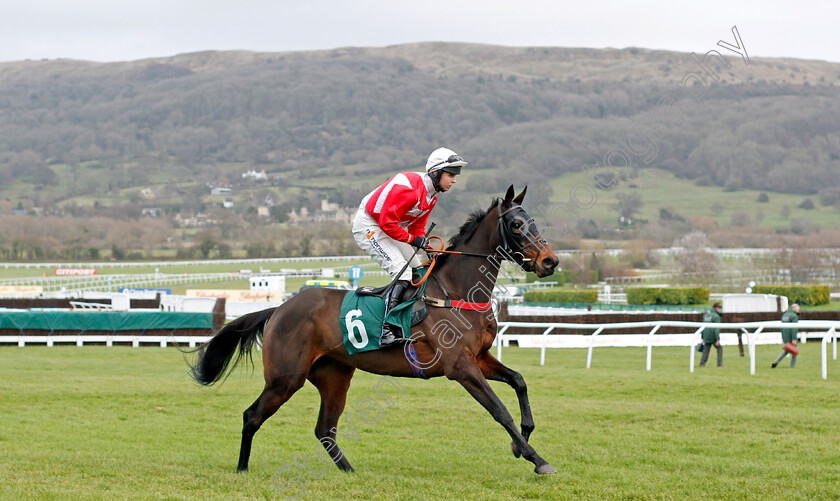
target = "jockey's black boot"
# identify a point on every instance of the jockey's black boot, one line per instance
(391, 334)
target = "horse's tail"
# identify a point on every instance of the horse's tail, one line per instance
(215, 357)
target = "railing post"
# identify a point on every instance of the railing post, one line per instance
(650, 346)
(831, 333)
(691, 355)
(545, 343)
(500, 337)
(591, 343)
(751, 348)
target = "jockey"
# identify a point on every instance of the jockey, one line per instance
(392, 219)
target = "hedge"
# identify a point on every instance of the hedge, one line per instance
(805, 295)
(562, 296)
(667, 295)
(561, 277)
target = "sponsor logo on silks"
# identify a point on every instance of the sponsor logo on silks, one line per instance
(370, 234)
(380, 250)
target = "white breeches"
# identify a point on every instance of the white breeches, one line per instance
(389, 253)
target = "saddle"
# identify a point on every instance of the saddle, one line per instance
(419, 311)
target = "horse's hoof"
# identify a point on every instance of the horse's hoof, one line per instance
(242, 470)
(545, 469)
(515, 449)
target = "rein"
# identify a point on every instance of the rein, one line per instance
(431, 263)
(504, 237)
(459, 253)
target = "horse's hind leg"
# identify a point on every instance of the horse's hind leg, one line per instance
(273, 396)
(332, 378)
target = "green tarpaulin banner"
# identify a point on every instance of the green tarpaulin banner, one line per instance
(108, 321)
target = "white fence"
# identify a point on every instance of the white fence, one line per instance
(80, 340)
(672, 251)
(826, 330)
(149, 280)
(754, 332)
(136, 264)
(113, 282)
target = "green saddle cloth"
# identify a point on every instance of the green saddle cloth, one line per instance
(361, 319)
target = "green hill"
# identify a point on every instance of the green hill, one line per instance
(660, 189)
(107, 140)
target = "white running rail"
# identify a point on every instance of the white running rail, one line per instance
(645, 335)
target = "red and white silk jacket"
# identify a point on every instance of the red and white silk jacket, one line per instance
(402, 205)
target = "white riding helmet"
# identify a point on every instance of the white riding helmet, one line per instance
(446, 160)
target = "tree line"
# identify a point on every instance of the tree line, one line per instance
(309, 115)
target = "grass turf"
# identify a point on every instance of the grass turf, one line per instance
(125, 423)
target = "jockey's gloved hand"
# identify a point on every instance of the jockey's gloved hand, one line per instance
(420, 242)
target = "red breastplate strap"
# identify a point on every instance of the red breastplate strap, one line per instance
(461, 305)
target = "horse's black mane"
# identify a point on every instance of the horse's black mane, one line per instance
(466, 230)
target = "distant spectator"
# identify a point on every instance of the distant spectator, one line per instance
(711, 336)
(789, 335)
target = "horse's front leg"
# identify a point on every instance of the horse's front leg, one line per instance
(466, 371)
(496, 371)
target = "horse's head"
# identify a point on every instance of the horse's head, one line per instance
(520, 239)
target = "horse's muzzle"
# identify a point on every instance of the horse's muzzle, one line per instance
(546, 266)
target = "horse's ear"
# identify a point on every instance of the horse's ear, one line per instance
(518, 199)
(508, 196)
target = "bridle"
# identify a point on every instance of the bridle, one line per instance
(523, 240)
(511, 244)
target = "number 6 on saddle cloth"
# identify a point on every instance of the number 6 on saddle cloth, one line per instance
(362, 315)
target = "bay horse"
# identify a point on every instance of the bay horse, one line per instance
(301, 339)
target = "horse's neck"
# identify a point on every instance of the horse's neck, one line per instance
(470, 277)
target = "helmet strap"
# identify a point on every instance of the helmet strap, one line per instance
(435, 177)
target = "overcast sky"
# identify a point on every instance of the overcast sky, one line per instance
(123, 30)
